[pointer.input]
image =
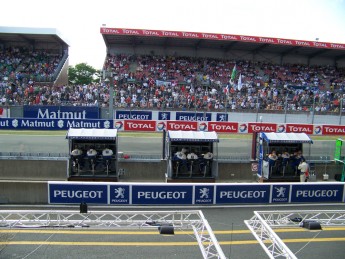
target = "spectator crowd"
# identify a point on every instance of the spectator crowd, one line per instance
(161, 82)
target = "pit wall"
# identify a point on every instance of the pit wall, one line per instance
(44, 170)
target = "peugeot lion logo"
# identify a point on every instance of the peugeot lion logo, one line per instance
(120, 193)
(280, 191)
(204, 193)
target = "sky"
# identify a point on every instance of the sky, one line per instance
(79, 21)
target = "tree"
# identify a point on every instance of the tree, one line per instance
(82, 74)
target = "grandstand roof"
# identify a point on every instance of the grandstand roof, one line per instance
(134, 37)
(31, 35)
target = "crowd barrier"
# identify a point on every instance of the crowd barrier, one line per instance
(193, 194)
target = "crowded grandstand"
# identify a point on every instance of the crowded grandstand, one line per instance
(146, 78)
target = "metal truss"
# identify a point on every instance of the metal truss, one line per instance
(193, 219)
(262, 222)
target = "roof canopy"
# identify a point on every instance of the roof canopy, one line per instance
(91, 134)
(193, 136)
(272, 137)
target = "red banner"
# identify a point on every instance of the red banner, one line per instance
(333, 130)
(262, 127)
(182, 125)
(300, 128)
(139, 125)
(223, 127)
(214, 36)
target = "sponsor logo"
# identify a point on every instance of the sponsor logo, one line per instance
(317, 193)
(203, 126)
(262, 127)
(281, 128)
(242, 194)
(247, 38)
(190, 34)
(338, 46)
(280, 193)
(170, 33)
(140, 125)
(163, 195)
(60, 124)
(119, 193)
(15, 123)
(128, 31)
(228, 37)
(106, 124)
(77, 194)
(160, 125)
(333, 130)
(318, 130)
(266, 40)
(300, 128)
(151, 33)
(182, 126)
(209, 36)
(204, 192)
(243, 127)
(118, 125)
(287, 42)
(164, 116)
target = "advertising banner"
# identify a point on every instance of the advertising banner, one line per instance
(280, 193)
(119, 194)
(133, 115)
(299, 128)
(137, 125)
(61, 112)
(223, 127)
(77, 193)
(261, 127)
(317, 193)
(222, 117)
(182, 125)
(227, 194)
(193, 116)
(203, 194)
(54, 124)
(333, 130)
(162, 195)
(221, 37)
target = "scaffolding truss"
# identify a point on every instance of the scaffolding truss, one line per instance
(263, 222)
(193, 219)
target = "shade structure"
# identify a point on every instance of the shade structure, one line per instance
(193, 136)
(272, 137)
(105, 134)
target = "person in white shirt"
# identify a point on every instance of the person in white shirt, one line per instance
(304, 168)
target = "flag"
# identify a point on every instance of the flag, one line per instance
(233, 74)
(239, 84)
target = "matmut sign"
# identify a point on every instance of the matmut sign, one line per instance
(219, 36)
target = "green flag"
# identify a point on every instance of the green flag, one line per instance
(233, 74)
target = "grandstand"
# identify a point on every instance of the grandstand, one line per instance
(178, 71)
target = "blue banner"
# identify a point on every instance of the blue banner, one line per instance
(54, 124)
(162, 195)
(280, 193)
(164, 116)
(193, 116)
(61, 112)
(317, 193)
(133, 115)
(222, 117)
(242, 194)
(203, 194)
(119, 194)
(77, 193)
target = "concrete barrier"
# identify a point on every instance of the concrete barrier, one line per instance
(23, 192)
(33, 170)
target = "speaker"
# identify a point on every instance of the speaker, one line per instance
(312, 225)
(83, 207)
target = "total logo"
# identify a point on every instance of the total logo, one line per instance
(160, 126)
(281, 128)
(202, 126)
(118, 125)
(318, 130)
(243, 128)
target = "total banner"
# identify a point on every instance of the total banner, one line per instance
(54, 124)
(193, 194)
